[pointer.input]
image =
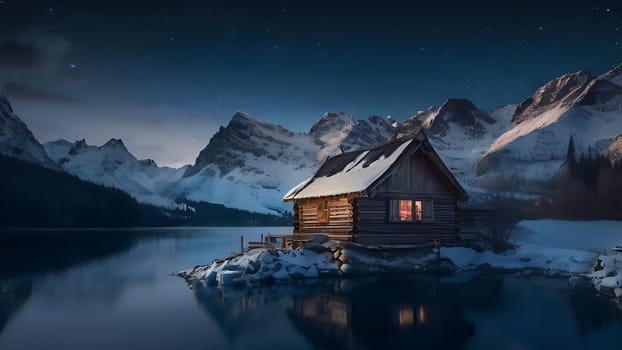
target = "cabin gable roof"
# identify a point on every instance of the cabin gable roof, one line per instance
(363, 169)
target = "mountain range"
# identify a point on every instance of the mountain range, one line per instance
(250, 163)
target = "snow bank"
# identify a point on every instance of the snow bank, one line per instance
(596, 236)
(553, 260)
(607, 275)
(259, 265)
(550, 246)
(553, 245)
(319, 258)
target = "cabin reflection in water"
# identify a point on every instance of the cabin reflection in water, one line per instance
(358, 313)
(324, 309)
(335, 311)
(330, 323)
(362, 318)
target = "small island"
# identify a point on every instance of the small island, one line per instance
(394, 209)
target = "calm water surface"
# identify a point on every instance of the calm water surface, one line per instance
(113, 290)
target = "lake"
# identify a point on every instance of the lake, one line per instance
(113, 289)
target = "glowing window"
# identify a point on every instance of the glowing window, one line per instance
(406, 210)
(422, 317)
(406, 316)
(418, 210)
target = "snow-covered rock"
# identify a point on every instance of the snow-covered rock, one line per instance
(17, 141)
(545, 246)
(607, 275)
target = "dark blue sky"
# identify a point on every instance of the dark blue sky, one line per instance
(165, 75)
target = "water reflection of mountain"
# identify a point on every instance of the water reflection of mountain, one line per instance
(403, 312)
(13, 295)
(238, 312)
(39, 252)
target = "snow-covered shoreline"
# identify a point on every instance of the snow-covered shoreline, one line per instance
(550, 247)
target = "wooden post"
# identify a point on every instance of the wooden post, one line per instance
(242, 244)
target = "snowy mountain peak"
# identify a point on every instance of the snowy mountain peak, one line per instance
(5, 106)
(462, 112)
(340, 131)
(113, 165)
(243, 134)
(17, 141)
(394, 123)
(574, 104)
(77, 147)
(614, 75)
(149, 163)
(456, 113)
(423, 119)
(558, 93)
(330, 122)
(242, 117)
(599, 92)
(115, 143)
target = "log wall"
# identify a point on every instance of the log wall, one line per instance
(372, 225)
(415, 179)
(340, 217)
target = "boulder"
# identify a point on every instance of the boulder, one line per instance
(316, 244)
(228, 277)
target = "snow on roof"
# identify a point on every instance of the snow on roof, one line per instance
(297, 188)
(350, 172)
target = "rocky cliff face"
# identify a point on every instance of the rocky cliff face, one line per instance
(17, 141)
(251, 163)
(246, 134)
(578, 104)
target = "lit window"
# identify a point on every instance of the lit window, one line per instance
(406, 210)
(406, 316)
(418, 210)
(422, 318)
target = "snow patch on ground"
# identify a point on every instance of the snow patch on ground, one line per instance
(554, 245)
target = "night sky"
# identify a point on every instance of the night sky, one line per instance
(164, 75)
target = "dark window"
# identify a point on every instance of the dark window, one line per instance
(322, 212)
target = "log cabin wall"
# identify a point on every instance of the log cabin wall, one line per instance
(336, 221)
(415, 179)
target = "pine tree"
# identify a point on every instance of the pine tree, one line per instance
(571, 159)
(570, 154)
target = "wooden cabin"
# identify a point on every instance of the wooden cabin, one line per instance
(399, 192)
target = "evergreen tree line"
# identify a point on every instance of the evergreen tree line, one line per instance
(36, 197)
(587, 187)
